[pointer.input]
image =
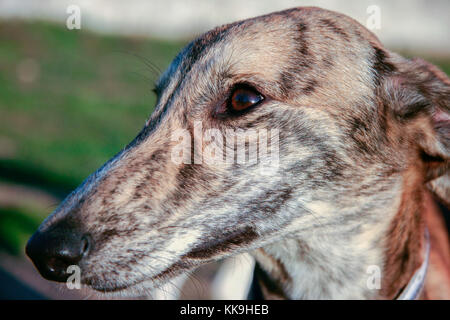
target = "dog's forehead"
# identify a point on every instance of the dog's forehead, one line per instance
(247, 47)
(291, 52)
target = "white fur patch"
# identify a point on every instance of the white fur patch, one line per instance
(234, 278)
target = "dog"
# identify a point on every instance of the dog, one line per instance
(347, 212)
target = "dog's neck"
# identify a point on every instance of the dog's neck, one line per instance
(347, 268)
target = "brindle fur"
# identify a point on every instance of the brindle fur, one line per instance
(362, 131)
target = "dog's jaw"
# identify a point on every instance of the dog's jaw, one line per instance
(327, 265)
(311, 267)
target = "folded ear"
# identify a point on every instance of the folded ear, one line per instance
(420, 96)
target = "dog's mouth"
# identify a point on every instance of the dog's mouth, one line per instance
(155, 281)
(199, 255)
(111, 289)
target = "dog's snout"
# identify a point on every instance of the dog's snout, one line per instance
(54, 250)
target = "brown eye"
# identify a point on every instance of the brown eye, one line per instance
(243, 98)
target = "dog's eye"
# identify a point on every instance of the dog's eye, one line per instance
(243, 98)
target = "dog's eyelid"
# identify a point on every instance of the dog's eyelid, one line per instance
(245, 85)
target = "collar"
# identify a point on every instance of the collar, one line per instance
(412, 290)
(414, 287)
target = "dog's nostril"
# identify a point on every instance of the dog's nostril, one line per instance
(85, 245)
(57, 265)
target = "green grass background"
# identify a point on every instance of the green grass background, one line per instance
(91, 97)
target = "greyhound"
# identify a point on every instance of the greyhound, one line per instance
(362, 145)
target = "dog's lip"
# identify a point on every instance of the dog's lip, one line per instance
(107, 289)
(111, 289)
(164, 276)
(186, 264)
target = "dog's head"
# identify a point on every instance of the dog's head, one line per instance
(344, 120)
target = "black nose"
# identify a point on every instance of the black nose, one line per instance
(54, 250)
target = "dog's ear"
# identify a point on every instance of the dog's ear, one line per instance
(419, 96)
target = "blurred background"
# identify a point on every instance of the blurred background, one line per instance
(71, 98)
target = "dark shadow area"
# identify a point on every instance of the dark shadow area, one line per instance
(13, 289)
(23, 173)
(446, 213)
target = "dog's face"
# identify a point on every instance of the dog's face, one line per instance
(319, 80)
